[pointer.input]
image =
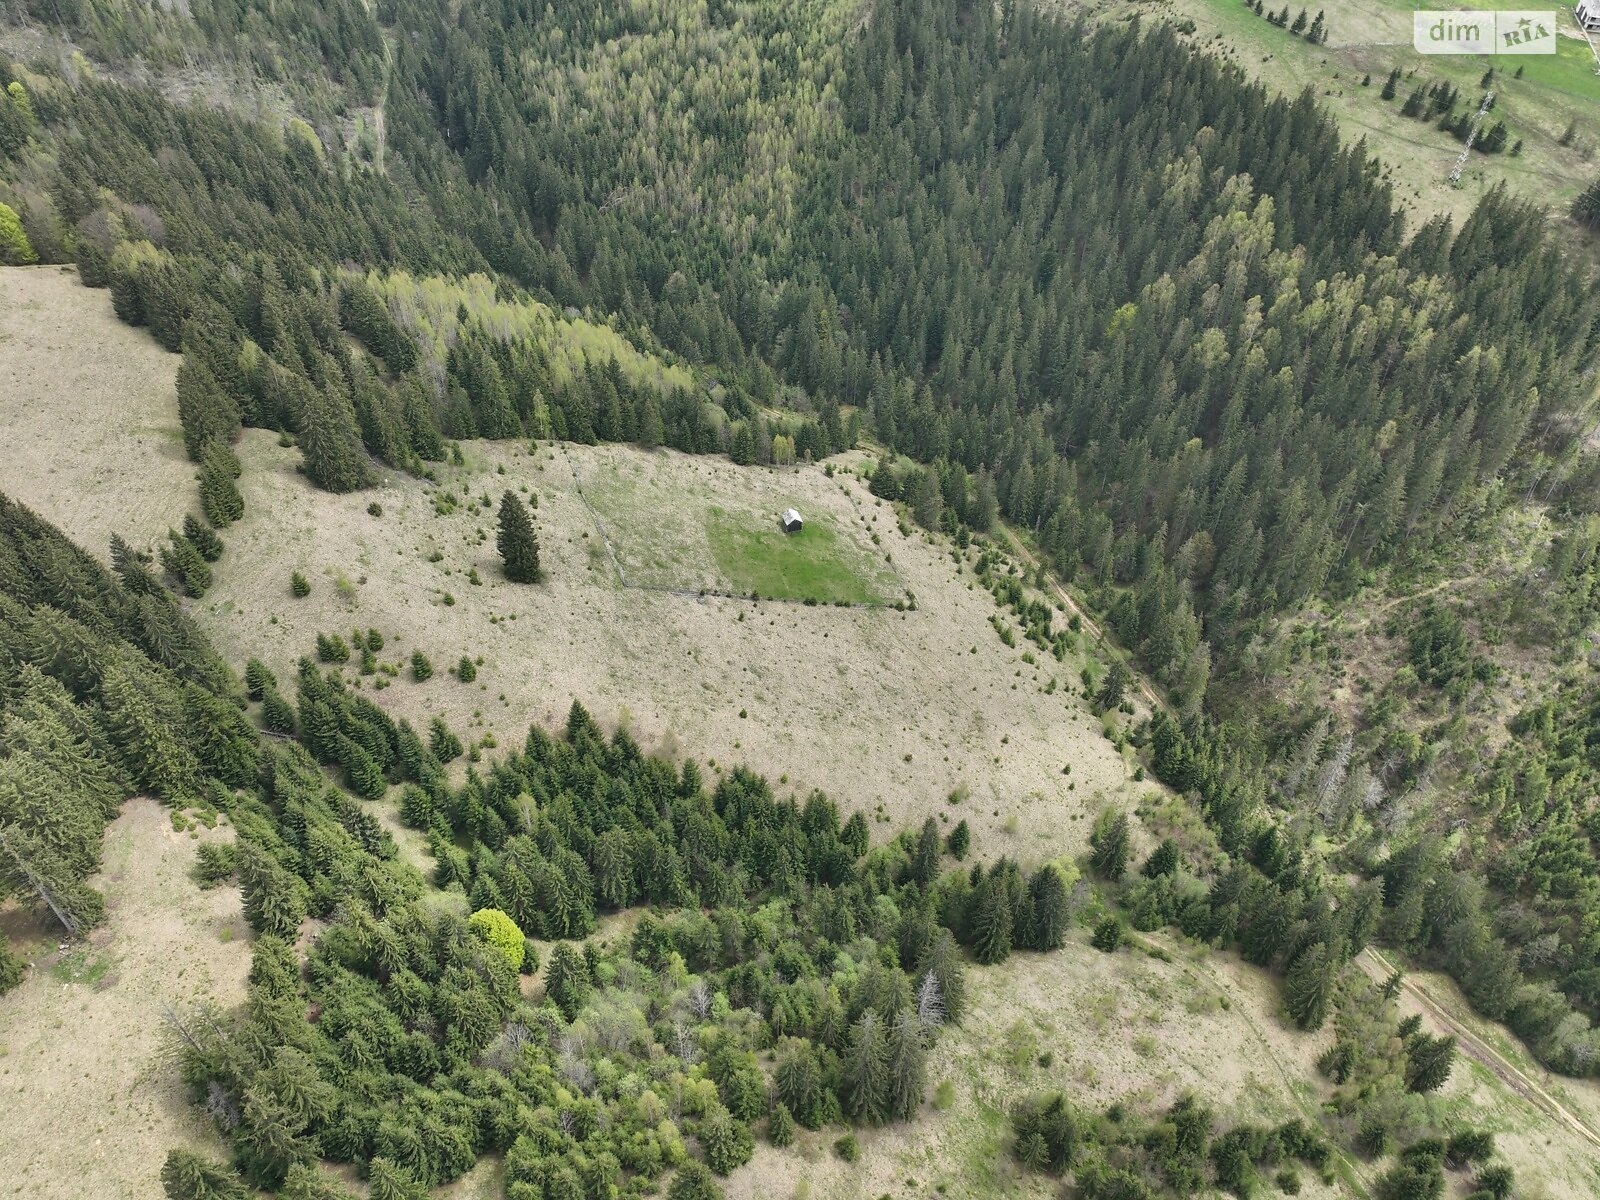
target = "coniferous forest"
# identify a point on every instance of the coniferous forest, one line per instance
(1168, 329)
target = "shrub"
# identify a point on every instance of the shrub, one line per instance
(299, 585)
(847, 1148)
(466, 671)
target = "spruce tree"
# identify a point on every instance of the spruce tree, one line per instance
(184, 563)
(219, 495)
(1164, 860)
(908, 1057)
(780, 1125)
(206, 412)
(205, 539)
(693, 1181)
(1428, 1061)
(960, 841)
(1107, 934)
(387, 1181)
(727, 1142)
(567, 980)
(1109, 843)
(991, 920)
(518, 543)
(942, 961)
(1390, 84)
(864, 1071)
(799, 1083)
(12, 968)
(186, 1176)
(925, 858)
(1586, 208)
(277, 714)
(1047, 910)
(1308, 988)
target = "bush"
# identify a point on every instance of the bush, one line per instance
(421, 668)
(299, 585)
(466, 670)
(848, 1148)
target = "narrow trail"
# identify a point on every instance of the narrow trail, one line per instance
(1016, 543)
(1480, 1051)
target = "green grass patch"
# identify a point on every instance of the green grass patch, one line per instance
(814, 564)
(83, 966)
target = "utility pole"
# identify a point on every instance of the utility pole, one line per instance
(1472, 136)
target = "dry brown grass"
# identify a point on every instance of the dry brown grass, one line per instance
(89, 1101)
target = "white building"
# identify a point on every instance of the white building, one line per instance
(791, 520)
(1588, 14)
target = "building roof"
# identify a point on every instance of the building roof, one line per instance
(791, 516)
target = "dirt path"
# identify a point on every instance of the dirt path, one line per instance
(1480, 1051)
(1020, 547)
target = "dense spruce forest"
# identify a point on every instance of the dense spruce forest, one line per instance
(1101, 291)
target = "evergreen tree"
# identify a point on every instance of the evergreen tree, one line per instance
(864, 1072)
(780, 1126)
(907, 1064)
(1047, 910)
(1586, 208)
(184, 563)
(799, 1082)
(1308, 988)
(941, 961)
(1428, 1061)
(387, 1181)
(444, 744)
(1390, 84)
(1107, 934)
(991, 923)
(693, 1181)
(567, 980)
(12, 968)
(1109, 844)
(187, 1176)
(219, 495)
(727, 1143)
(1113, 688)
(1164, 860)
(207, 413)
(925, 858)
(960, 841)
(518, 543)
(203, 538)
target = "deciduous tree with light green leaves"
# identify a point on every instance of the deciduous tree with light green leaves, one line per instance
(15, 249)
(501, 933)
